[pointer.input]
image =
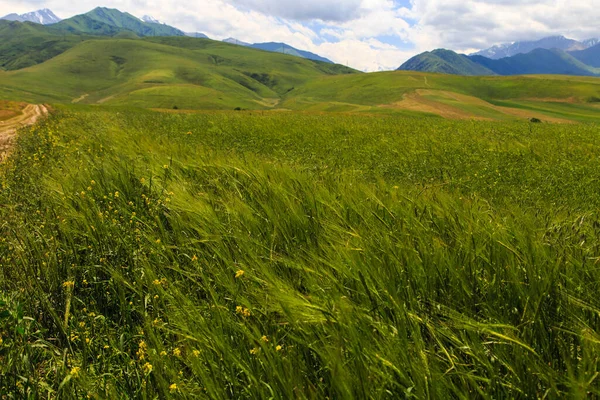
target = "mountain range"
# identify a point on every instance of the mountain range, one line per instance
(111, 22)
(44, 17)
(548, 43)
(570, 57)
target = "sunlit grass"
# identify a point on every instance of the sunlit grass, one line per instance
(297, 256)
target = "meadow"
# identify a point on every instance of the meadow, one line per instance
(299, 255)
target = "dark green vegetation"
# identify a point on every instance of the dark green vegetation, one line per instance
(538, 61)
(236, 255)
(445, 62)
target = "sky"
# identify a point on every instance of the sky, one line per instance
(369, 35)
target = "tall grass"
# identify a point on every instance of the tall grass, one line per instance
(230, 255)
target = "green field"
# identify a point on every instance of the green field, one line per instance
(299, 255)
(197, 74)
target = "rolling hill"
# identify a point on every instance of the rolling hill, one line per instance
(164, 72)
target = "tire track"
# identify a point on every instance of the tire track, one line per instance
(9, 128)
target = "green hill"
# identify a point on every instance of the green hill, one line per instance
(109, 22)
(23, 44)
(163, 73)
(445, 62)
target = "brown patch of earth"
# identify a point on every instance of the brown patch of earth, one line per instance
(419, 101)
(9, 128)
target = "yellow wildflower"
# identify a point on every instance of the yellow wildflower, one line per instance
(239, 273)
(195, 352)
(75, 371)
(278, 348)
(194, 258)
(163, 353)
(173, 387)
(147, 368)
(254, 351)
(177, 352)
(265, 339)
(69, 284)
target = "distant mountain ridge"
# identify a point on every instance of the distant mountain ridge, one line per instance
(282, 48)
(43, 17)
(524, 47)
(107, 21)
(538, 61)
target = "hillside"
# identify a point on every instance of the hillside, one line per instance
(539, 61)
(445, 62)
(26, 44)
(96, 22)
(164, 73)
(590, 56)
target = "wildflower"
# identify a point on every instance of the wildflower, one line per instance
(194, 258)
(189, 133)
(69, 284)
(177, 352)
(82, 324)
(243, 311)
(85, 282)
(195, 352)
(163, 353)
(89, 189)
(93, 182)
(173, 387)
(157, 241)
(157, 282)
(278, 348)
(117, 195)
(254, 351)
(265, 339)
(142, 181)
(88, 340)
(239, 273)
(106, 347)
(165, 166)
(75, 371)
(1, 341)
(147, 368)
(141, 353)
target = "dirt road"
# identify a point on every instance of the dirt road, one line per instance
(9, 128)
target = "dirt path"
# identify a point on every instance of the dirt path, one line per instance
(9, 128)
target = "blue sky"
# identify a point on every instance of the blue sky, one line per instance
(369, 35)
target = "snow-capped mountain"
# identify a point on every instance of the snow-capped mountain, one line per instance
(150, 19)
(549, 43)
(44, 17)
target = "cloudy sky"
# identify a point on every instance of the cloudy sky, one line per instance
(369, 35)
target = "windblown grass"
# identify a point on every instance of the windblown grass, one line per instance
(237, 255)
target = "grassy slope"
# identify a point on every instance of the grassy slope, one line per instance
(370, 90)
(187, 72)
(385, 257)
(26, 44)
